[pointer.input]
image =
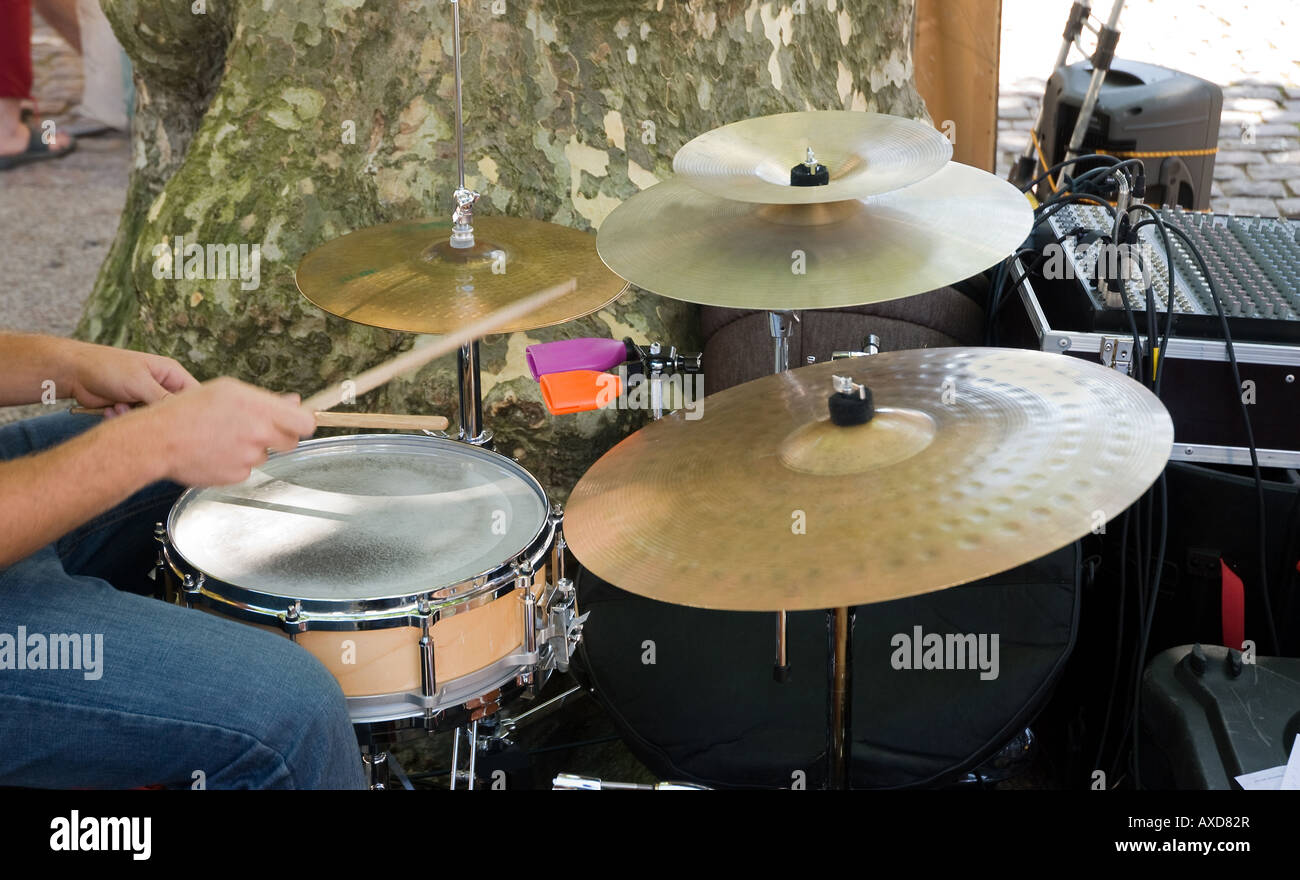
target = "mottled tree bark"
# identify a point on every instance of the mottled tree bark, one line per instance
(241, 136)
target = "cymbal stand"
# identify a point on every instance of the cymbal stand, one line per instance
(850, 404)
(470, 382)
(468, 371)
(781, 326)
(840, 681)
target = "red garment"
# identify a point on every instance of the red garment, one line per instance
(15, 48)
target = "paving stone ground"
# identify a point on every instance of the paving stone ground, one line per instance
(57, 218)
(1250, 49)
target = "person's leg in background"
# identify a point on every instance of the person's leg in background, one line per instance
(16, 138)
(163, 694)
(62, 16)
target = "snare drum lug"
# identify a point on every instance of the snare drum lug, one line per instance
(560, 550)
(190, 587)
(428, 678)
(294, 621)
(524, 581)
(159, 535)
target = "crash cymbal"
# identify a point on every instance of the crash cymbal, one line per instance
(977, 460)
(405, 275)
(864, 153)
(679, 242)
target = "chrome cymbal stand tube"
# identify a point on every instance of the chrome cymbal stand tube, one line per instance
(840, 675)
(781, 326)
(850, 404)
(840, 653)
(462, 233)
(469, 379)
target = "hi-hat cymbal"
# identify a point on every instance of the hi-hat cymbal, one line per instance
(865, 153)
(682, 243)
(405, 275)
(978, 460)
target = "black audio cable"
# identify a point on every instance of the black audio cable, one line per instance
(1260, 513)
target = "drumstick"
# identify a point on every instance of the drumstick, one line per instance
(406, 362)
(391, 421)
(381, 420)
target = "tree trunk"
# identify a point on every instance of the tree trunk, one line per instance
(242, 135)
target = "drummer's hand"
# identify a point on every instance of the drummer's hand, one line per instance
(114, 378)
(216, 433)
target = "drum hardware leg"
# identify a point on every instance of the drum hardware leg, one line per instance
(840, 681)
(455, 757)
(471, 398)
(472, 736)
(400, 773)
(376, 770)
(472, 742)
(508, 725)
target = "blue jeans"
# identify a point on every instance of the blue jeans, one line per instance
(170, 696)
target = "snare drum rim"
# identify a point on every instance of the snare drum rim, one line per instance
(256, 606)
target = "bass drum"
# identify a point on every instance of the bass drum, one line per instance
(693, 695)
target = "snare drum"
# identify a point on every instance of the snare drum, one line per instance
(426, 574)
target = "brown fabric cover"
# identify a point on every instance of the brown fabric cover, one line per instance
(738, 344)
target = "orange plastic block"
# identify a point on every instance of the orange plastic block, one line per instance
(579, 391)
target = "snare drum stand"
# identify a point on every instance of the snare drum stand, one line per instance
(471, 739)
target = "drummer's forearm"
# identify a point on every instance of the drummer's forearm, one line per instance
(47, 495)
(32, 366)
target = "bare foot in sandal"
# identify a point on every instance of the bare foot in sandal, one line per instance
(20, 144)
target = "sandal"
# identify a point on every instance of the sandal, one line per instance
(36, 150)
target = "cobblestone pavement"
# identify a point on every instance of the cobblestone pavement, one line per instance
(1251, 49)
(58, 216)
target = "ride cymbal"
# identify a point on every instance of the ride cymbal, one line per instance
(405, 275)
(864, 153)
(977, 460)
(682, 243)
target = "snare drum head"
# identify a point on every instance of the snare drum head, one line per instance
(364, 517)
